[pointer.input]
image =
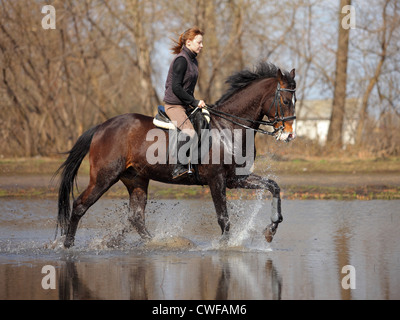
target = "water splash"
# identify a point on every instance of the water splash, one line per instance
(176, 225)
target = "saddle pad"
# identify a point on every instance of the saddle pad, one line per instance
(161, 120)
(163, 124)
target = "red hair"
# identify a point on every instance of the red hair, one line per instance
(189, 34)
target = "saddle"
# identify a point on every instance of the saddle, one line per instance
(199, 120)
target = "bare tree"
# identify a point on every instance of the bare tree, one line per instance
(100, 61)
(334, 138)
(386, 32)
(57, 83)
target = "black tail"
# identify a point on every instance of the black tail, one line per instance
(69, 171)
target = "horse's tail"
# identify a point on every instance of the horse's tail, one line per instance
(68, 175)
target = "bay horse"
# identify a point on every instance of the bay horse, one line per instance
(117, 151)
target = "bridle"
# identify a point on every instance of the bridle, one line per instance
(278, 118)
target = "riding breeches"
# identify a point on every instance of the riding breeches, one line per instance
(178, 115)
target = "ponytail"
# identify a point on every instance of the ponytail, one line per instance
(189, 34)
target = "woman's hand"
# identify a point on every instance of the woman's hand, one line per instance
(201, 104)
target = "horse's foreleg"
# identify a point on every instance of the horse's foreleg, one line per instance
(276, 214)
(137, 189)
(256, 182)
(218, 193)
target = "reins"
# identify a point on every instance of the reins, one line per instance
(277, 118)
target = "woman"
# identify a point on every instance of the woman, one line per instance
(179, 87)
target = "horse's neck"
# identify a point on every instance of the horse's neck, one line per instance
(246, 104)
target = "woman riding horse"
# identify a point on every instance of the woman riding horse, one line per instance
(180, 85)
(118, 150)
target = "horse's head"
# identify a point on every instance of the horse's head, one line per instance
(282, 109)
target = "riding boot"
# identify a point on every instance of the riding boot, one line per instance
(179, 168)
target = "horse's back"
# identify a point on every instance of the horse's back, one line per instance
(127, 120)
(123, 125)
(118, 136)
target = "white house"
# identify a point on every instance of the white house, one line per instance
(313, 119)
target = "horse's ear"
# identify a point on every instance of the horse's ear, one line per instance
(279, 75)
(293, 73)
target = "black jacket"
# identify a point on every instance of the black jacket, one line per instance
(182, 79)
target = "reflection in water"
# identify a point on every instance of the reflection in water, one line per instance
(70, 286)
(342, 251)
(315, 241)
(218, 277)
(276, 281)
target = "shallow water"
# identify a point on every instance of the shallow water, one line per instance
(187, 260)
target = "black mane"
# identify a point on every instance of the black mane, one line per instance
(242, 79)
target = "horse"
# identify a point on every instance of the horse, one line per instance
(118, 147)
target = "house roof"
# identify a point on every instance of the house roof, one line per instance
(322, 109)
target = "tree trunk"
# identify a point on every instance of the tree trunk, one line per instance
(334, 139)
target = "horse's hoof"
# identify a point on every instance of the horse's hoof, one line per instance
(270, 231)
(224, 240)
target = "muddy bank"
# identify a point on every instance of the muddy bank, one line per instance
(298, 178)
(361, 186)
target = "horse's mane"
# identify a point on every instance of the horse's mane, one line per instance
(242, 79)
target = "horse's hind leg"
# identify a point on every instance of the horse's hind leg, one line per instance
(137, 189)
(96, 188)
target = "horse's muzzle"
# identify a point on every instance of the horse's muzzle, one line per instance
(291, 137)
(286, 136)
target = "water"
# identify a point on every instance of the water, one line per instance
(188, 260)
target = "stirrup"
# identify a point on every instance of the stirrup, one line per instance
(190, 168)
(179, 172)
(182, 170)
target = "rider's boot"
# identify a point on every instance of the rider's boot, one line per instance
(179, 168)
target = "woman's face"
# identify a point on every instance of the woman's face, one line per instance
(196, 44)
